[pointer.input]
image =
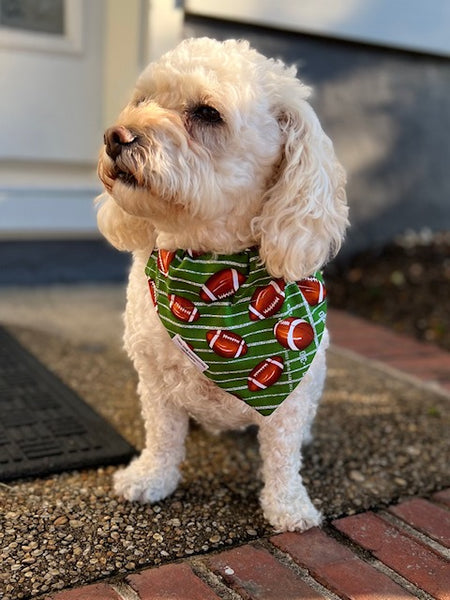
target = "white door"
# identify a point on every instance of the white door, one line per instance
(50, 114)
(66, 69)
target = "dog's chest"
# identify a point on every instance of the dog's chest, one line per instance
(252, 335)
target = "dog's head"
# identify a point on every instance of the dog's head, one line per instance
(218, 150)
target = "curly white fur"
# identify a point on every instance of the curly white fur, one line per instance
(265, 174)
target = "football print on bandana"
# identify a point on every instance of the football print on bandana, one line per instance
(221, 285)
(265, 374)
(313, 290)
(164, 260)
(293, 333)
(183, 309)
(226, 343)
(267, 300)
(253, 335)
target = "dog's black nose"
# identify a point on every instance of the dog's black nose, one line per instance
(116, 138)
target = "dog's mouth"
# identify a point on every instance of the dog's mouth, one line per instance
(125, 177)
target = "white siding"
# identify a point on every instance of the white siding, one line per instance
(422, 25)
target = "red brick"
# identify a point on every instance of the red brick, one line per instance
(174, 582)
(428, 368)
(337, 568)
(426, 517)
(256, 575)
(355, 333)
(420, 359)
(99, 591)
(443, 497)
(411, 559)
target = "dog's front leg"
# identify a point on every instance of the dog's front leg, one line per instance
(155, 474)
(284, 499)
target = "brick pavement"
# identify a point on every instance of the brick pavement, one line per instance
(362, 557)
(401, 552)
(423, 361)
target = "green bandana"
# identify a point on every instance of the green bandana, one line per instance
(253, 335)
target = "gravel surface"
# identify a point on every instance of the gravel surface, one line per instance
(376, 439)
(405, 285)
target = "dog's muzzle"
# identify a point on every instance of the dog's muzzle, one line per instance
(120, 144)
(118, 138)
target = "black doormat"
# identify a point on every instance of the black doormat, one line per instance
(44, 426)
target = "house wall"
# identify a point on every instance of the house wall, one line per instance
(421, 25)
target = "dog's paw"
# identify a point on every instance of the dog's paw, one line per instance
(143, 482)
(296, 515)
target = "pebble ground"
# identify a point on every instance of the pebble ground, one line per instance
(67, 530)
(397, 554)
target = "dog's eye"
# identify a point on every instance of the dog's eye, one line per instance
(207, 114)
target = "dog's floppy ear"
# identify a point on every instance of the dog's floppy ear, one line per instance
(304, 214)
(123, 231)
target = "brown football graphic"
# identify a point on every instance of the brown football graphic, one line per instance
(226, 343)
(294, 333)
(313, 290)
(265, 374)
(165, 257)
(267, 300)
(152, 288)
(183, 309)
(222, 285)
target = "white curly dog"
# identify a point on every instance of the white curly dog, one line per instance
(219, 151)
